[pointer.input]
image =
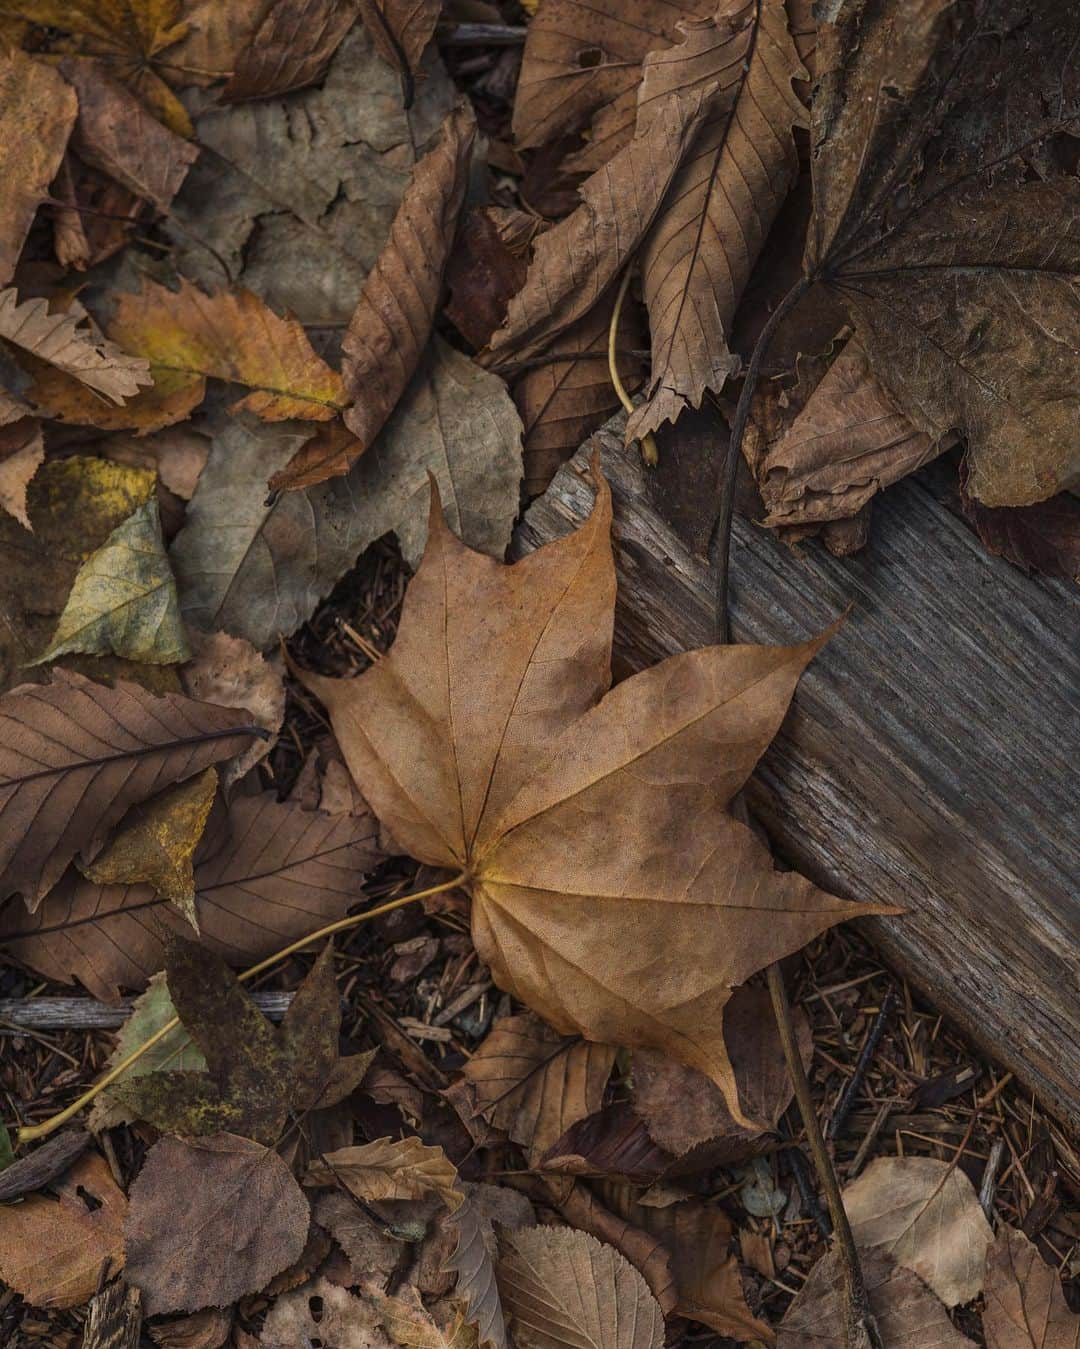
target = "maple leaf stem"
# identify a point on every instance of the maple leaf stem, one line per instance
(720, 538)
(28, 1133)
(649, 451)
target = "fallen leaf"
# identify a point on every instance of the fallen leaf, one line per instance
(207, 1329)
(923, 1214)
(409, 1323)
(115, 133)
(156, 842)
(230, 672)
(389, 1168)
(1025, 1306)
(289, 49)
(575, 262)
(960, 287)
(215, 34)
(394, 315)
(482, 275)
(210, 1221)
(22, 452)
(43, 1165)
(322, 1314)
(37, 112)
(533, 1083)
(367, 1247)
(256, 1073)
(611, 1143)
(266, 874)
(722, 202)
(908, 1314)
(82, 240)
(58, 340)
(516, 783)
(171, 398)
(472, 1262)
(123, 601)
(565, 1288)
(1043, 538)
(231, 336)
(53, 1250)
(401, 30)
(61, 796)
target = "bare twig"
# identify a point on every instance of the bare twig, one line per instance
(866, 1057)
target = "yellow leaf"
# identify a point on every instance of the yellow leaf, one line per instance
(76, 503)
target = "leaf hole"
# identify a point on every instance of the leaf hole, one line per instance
(315, 1307)
(91, 1201)
(589, 57)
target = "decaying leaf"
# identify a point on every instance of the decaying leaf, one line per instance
(61, 794)
(498, 669)
(369, 1249)
(206, 1329)
(409, 1323)
(575, 263)
(230, 672)
(319, 1313)
(533, 1083)
(289, 48)
(58, 340)
(22, 452)
(123, 601)
(1025, 1306)
(566, 1288)
(53, 1250)
(232, 336)
(401, 30)
(908, 1314)
(923, 1214)
(266, 874)
(156, 843)
(37, 112)
(390, 1168)
(209, 1221)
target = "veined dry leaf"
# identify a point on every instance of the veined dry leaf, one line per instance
(231, 336)
(565, 1288)
(123, 600)
(290, 48)
(266, 874)
(409, 1323)
(230, 672)
(387, 333)
(401, 29)
(74, 756)
(1025, 1306)
(612, 1143)
(533, 1083)
(12, 409)
(480, 746)
(957, 266)
(115, 133)
(37, 112)
(575, 262)
(722, 202)
(908, 1314)
(52, 1251)
(156, 843)
(473, 1257)
(210, 1221)
(170, 399)
(390, 1168)
(319, 1313)
(58, 340)
(923, 1214)
(22, 452)
(216, 32)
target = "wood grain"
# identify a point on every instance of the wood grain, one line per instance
(929, 758)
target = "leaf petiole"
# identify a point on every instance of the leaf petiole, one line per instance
(649, 451)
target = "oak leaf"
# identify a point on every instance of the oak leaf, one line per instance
(289, 49)
(565, 1288)
(37, 112)
(22, 452)
(210, 1221)
(74, 756)
(266, 873)
(1025, 1306)
(484, 745)
(52, 1250)
(390, 1169)
(394, 315)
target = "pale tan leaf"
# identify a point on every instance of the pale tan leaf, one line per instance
(401, 29)
(1025, 1306)
(59, 340)
(409, 1323)
(723, 201)
(289, 49)
(393, 318)
(390, 1169)
(923, 1214)
(37, 112)
(368, 1248)
(52, 1250)
(230, 672)
(319, 1313)
(533, 1083)
(565, 1290)
(22, 452)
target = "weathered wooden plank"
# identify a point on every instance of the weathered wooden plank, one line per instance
(930, 756)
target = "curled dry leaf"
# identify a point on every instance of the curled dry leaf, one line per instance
(575, 262)
(22, 452)
(61, 795)
(485, 745)
(483, 273)
(320, 1313)
(565, 1288)
(37, 112)
(210, 1221)
(390, 1168)
(53, 1250)
(59, 340)
(123, 601)
(387, 333)
(230, 672)
(923, 1214)
(206, 1329)
(289, 49)
(533, 1083)
(1025, 1306)
(266, 874)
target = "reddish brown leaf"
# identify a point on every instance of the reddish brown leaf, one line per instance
(613, 1143)
(482, 275)
(290, 48)
(401, 29)
(1043, 538)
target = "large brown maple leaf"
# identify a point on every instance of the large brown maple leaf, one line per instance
(611, 890)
